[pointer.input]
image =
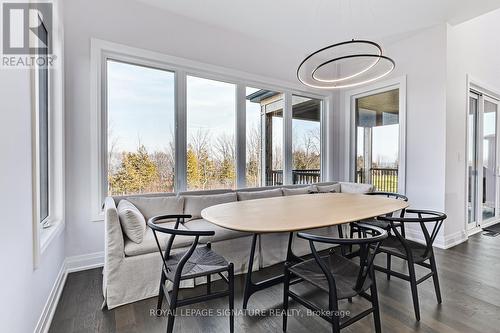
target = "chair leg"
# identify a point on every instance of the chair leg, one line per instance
(231, 297)
(286, 286)
(414, 291)
(389, 262)
(435, 279)
(341, 235)
(334, 308)
(160, 293)
(375, 305)
(172, 309)
(209, 284)
(170, 320)
(351, 235)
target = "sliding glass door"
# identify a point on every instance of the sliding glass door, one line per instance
(483, 164)
(472, 130)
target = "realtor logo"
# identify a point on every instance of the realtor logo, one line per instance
(27, 35)
(26, 27)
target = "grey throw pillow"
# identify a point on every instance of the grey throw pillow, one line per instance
(132, 221)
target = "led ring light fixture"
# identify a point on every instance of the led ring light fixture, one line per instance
(341, 65)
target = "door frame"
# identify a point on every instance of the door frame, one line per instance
(350, 100)
(484, 93)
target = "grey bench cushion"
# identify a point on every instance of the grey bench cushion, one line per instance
(221, 234)
(250, 195)
(299, 190)
(194, 204)
(148, 244)
(355, 188)
(334, 188)
(153, 206)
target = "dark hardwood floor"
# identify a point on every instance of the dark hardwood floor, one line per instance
(470, 283)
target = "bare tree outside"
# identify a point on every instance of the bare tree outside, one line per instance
(253, 168)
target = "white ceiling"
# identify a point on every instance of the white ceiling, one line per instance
(314, 23)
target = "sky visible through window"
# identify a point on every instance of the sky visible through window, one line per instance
(211, 122)
(211, 106)
(140, 107)
(141, 123)
(141, 131)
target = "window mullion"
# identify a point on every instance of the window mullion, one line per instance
(240, 136)
(180, 132)
(287, 139)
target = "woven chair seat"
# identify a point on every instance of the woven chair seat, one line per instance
(393, 246)
(381, 224)
(203, 261)
(344, 271)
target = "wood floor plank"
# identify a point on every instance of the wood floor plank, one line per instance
(469, 276)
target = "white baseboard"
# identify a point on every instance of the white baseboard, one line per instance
(84, 262)
(441, 242)
(49, 309)
(70, 265)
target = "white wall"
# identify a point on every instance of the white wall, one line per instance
(137, 25)
(473, 49)
(421, 57)
(24, 290)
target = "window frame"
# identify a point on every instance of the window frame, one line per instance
(351, 140)
(47, 229)
(102, 50)
(104, 114)
(236, 131)
(44, 221)
(322, 134)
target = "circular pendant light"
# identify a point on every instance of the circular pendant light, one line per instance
(342, 65)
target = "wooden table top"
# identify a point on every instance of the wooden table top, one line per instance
(299, 212)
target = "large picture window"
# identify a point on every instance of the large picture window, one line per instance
(211, 119)
(141, 145)
(264, 129)
(377, 124)
(306, 140)
(166, 128)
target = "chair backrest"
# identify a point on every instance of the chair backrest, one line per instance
(391, 195)
(174, 232)
(422, 217)
(368, 244)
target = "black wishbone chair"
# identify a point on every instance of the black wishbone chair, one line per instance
(338, 276)
(415, 253)
(378, 223)
(195, 262)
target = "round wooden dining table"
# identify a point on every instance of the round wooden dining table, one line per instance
(295, 213)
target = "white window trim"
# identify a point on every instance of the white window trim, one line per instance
(350, 97)
(55, 222)
(101, 49)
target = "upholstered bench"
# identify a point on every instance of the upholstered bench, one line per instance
(132, 263)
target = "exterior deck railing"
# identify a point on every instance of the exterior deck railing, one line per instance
(383, 179)
(310, 176)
